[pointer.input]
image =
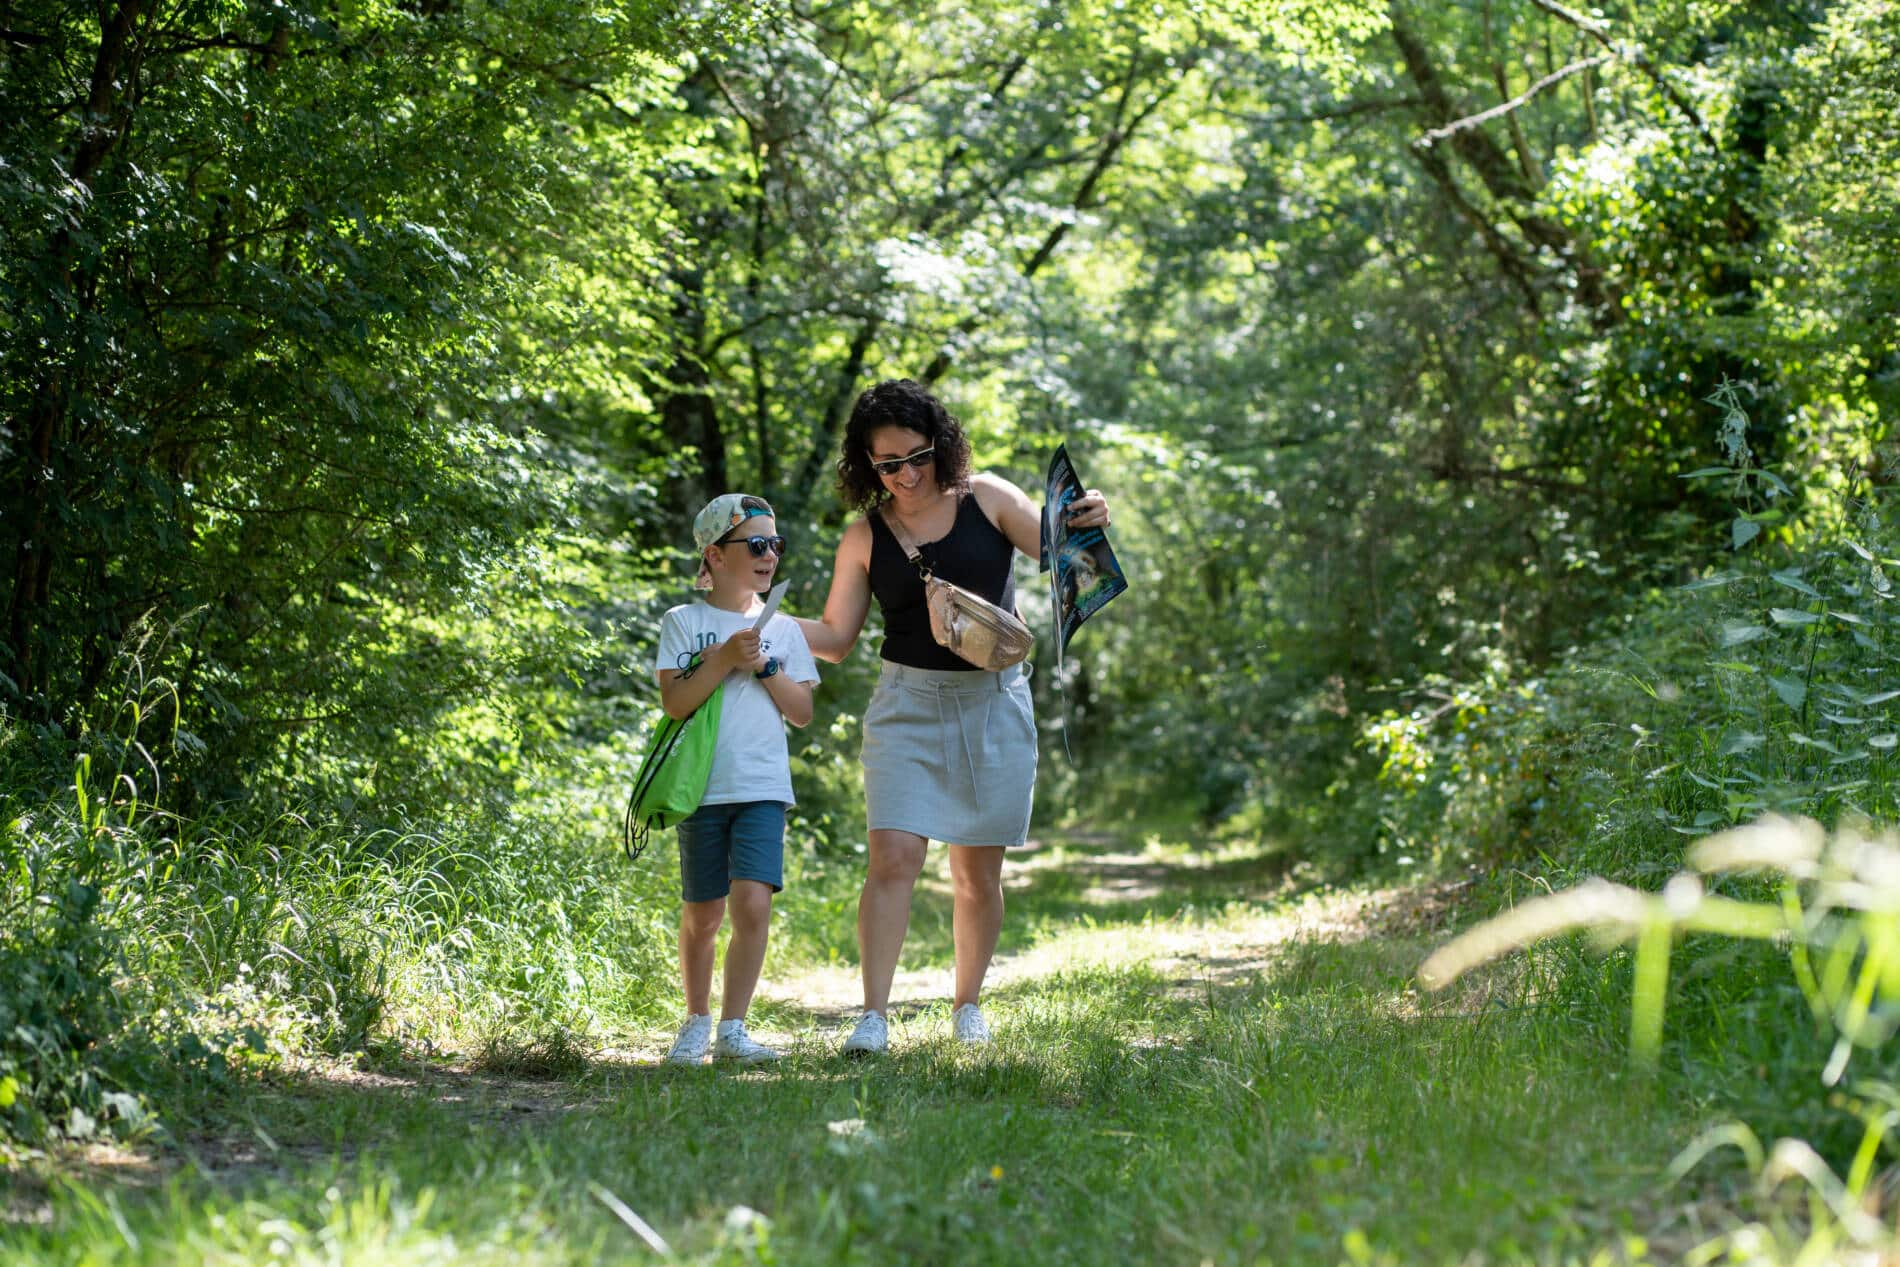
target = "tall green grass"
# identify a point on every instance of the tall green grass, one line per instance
(1766, 686)
(144, 956)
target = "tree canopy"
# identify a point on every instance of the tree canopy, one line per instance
(361, 361)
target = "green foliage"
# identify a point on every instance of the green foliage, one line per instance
(1836, 911)
(258, 393)
(359, 366)
(1416, 426)
(1760, 688)
(401, 432)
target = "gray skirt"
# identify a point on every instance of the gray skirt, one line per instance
(950, 755)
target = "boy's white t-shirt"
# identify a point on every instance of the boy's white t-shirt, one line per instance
(750, 760)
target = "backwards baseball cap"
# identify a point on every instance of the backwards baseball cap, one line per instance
(720, 516)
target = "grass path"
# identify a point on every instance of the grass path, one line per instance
(1200, 1058)
(1211, 921)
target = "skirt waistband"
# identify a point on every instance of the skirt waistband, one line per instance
(951, 681)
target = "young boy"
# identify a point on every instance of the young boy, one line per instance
(732, 849)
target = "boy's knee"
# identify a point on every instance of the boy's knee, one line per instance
(750, 903)
(702, 919)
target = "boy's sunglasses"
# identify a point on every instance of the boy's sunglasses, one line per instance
(758, 545)
(919, 459)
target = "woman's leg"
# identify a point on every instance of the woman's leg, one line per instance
(976, 914)
(699, 927)
(751, 907)
(884, 910)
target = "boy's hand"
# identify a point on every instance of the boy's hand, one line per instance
(741, 651)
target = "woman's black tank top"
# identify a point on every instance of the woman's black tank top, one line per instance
(974, 554)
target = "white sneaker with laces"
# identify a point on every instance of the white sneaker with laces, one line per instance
(695, 1037)
(871, 1036)
(734, 1043)
(969, 1026)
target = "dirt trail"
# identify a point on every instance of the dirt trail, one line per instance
(1194, 947)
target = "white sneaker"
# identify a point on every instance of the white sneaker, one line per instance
(734, 1043)
(968, 1025)
(695, 1037)
(870, 1038)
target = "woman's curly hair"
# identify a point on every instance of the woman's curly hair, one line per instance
(899, 402)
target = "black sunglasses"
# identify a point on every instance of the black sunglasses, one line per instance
(919, 459)
(758, 545)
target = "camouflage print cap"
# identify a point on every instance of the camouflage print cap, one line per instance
(721, 515)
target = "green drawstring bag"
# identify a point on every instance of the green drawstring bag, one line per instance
(672, 777)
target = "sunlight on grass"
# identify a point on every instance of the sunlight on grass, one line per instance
(1224, 1082)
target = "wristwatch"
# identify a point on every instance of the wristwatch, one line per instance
(771, 667)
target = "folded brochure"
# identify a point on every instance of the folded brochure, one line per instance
(1083, 572)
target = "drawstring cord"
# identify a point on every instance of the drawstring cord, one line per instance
(963, 733)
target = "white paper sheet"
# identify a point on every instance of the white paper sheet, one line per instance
(771, 606)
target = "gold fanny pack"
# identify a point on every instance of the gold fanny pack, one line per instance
(964, 624)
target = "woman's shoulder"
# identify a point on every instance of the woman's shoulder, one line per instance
(998, 498)
(985, 483)
(993, 492)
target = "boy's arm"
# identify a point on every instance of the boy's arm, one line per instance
(793, 698)
(683, 690)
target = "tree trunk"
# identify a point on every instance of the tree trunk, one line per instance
(688, 415)
(844, 393)
(48, 413)
(1499, 176)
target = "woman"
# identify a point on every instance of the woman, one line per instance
(949, 749)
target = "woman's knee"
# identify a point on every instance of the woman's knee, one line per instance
(976, 874)
(896, 857)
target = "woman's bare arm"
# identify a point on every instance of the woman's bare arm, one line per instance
(1020, 519)
(849, 601)
(1010, 509)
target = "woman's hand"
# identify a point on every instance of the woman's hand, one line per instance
(1090, 510)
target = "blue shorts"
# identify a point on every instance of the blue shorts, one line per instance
(742, 840)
